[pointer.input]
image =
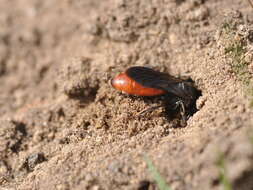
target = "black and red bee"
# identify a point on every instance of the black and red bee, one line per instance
(179, 95)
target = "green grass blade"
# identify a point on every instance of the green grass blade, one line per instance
(162, 185)
(223, 173)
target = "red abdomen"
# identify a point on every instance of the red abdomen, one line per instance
(125, 84)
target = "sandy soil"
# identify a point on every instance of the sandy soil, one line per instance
(62, 126)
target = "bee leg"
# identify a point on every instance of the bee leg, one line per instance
(149, 110)
(181, 106)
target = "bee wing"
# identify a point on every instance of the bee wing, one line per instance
(154, 79)
(150, 78)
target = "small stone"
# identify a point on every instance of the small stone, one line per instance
(173, 38)
(33, 160)
(198, 15)
(250, 67)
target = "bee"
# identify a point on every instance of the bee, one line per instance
(179, 95)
